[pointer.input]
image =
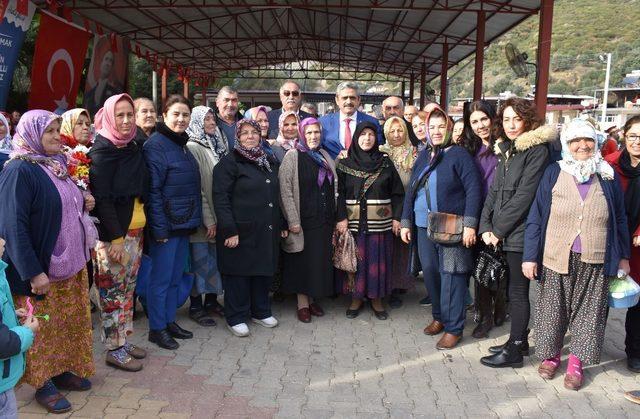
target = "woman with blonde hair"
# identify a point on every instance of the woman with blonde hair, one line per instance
(400, 151)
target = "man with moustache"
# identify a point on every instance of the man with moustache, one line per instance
(338, 127)
(291, 98)
(146, 118)
(228, 116)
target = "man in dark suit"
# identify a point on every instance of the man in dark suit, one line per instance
(338, 127)
(291, 98)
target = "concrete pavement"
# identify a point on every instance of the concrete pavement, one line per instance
(336, 367)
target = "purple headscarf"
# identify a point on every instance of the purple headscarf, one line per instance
(318, 158)
(27, 142)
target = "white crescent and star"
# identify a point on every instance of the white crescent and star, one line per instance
(61, 55)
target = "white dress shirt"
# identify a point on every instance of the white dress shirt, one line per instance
(352, 125)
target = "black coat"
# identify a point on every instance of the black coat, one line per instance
(115, 175)
(521, 165)
(247, 203)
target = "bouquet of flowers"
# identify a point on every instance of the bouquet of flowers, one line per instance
(78, 165)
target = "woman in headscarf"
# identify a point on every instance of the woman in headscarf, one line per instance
(369, 205)
(76, 128)
(207, 146)
(627, 165)
(246, 197)
(5, 138)
(49, 234)
(308, 189)
(402, 153)
(259, 114)
(119, 182)
(287, 134)
(444, 180)
(576, 238)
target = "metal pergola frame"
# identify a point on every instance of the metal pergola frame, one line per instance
(399, 39)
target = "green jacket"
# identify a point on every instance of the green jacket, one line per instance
(15, 339)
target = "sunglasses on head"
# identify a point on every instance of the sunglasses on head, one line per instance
(294, 93)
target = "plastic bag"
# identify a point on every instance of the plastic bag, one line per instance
(624, 292)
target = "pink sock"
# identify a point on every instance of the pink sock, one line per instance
(574, 366)
(554, 361)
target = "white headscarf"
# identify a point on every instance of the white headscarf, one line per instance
(5, 142)
(582, 170)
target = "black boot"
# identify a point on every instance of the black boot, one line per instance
(524, 348)
(483, 302)
(163, 339)
(510, 356)
(178, 332)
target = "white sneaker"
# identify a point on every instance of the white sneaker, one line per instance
(240, 330)
(268, 322)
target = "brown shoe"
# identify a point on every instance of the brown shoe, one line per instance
(304, 315)
(122, 360)
(547, 370)
(448, 341)
(135, 351)
(572, 382)
(434, 328)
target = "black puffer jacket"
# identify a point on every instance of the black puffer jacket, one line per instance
(521, 165)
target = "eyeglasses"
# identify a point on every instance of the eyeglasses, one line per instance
(294, 93)
(633, 138)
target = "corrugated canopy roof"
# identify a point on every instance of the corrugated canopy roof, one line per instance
(393, 37)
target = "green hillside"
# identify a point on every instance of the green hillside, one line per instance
(582, 29)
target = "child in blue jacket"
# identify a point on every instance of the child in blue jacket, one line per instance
(15, 340)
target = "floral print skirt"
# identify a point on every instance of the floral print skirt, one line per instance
(64, 343)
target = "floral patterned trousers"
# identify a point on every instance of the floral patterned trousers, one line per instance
(116, 284)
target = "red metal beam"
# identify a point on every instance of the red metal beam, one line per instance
(477, 74)
(423, 85)
(443, 6)
(544, 56)
(163, 89)
(412, 80)
(444, 67)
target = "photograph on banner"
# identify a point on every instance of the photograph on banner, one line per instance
(15, 18)
(107, 73)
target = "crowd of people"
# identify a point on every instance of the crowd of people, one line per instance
(222, 209)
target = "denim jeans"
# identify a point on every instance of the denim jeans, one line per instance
(447, 290)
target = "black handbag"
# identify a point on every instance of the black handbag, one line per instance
(491, 267)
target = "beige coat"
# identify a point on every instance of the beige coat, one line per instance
(290, 197)
(206, 161)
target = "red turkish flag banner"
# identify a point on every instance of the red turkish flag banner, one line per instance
(57, 64)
